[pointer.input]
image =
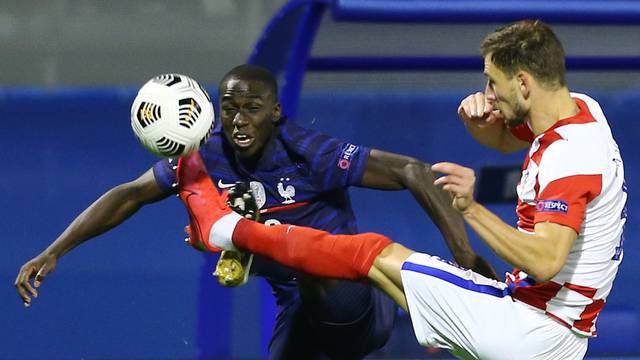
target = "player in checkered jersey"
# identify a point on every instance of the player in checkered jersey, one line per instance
(567, 244)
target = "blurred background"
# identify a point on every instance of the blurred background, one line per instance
(70, 70)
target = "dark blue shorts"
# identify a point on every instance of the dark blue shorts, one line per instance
(305, 330)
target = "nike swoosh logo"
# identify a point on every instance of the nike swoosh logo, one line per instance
(222, 185)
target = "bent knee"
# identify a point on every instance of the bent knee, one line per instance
(390, 260)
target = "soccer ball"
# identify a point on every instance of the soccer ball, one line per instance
(172, 115)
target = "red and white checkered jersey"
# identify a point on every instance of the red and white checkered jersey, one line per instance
(573, 175)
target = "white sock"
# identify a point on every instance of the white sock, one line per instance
(222, 230)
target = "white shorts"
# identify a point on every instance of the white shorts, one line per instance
(474, 317)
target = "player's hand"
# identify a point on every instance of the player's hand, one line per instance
(479, 109)
(459, 181)
(36, 269)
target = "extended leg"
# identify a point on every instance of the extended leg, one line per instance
(385, 272)
(313, 251)
(352, 257)
(349, 257)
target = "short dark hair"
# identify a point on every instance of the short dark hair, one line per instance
(252, 72)
(528, 45)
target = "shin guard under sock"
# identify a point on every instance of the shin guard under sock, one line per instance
(312, 251)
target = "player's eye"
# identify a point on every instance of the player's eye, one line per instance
(228, 110)
(254, 108)
(492, 85)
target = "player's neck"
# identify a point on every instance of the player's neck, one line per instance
(251, 163)
(548, 107)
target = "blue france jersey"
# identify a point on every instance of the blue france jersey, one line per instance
(301, 178)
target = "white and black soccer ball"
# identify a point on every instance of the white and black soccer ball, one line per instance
(172, 115)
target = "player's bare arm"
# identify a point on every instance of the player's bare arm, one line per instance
(486, 124)
(541, 254)
(392, 171)
(111, 209)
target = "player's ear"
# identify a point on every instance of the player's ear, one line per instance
(277, 113)
(524, 83)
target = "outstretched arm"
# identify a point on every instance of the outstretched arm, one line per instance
(390, 171)
(541, 254)
(110, 210)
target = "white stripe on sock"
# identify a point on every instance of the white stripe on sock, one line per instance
(222, 230)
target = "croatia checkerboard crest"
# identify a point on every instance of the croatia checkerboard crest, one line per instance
(172, 115)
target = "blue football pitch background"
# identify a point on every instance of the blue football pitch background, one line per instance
(137, 292)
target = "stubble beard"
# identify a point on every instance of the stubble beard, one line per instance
(519, 116)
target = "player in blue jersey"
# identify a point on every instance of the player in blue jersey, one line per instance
(298, 176)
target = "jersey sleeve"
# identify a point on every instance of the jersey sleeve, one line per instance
(333, 163)
(165, 174)
(564, 201)
(523, 132)
(569, 180)
(340, 164)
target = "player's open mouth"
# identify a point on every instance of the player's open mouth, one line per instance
(242, 140)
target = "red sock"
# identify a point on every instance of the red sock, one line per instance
(312, 251)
